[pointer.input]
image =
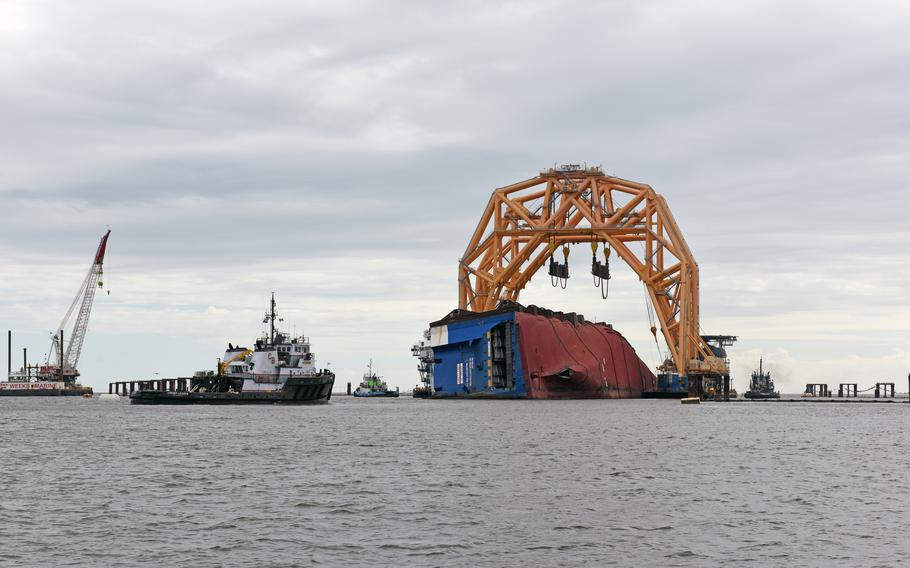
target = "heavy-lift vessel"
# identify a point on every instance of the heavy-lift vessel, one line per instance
(523, 228)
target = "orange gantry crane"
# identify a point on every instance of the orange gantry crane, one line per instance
(526, 223)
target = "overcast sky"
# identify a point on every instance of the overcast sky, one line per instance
(340, 154)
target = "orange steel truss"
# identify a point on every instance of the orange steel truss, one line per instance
(526, 223)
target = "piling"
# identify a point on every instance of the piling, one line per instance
(696, 386)
(349, 386)
(9, 353)
(817, 389)
(885, 390)
(25, 360)
(850, 389)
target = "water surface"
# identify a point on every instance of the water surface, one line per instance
(453, 483)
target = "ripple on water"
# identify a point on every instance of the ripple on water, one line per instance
(511, 483)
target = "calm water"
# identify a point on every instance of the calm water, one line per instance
(446, 483)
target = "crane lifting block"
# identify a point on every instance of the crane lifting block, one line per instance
(600, 270)
(559, 269)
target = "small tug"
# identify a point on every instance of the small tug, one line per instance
(279, 369)
(373, 385)
(761, 386)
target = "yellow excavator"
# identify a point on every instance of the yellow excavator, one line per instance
(223, 366)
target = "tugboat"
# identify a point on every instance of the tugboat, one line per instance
(279, 369)
(762, 385)
(372, 385)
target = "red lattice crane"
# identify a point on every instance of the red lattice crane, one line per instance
(64, 363)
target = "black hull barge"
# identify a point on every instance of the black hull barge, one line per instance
(296, 390)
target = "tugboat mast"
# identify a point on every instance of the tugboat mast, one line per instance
(272, 320)
(270, 317)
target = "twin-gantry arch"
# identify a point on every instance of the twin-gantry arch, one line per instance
(529, 223)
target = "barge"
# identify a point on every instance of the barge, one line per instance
(59, 375)
(43, 388)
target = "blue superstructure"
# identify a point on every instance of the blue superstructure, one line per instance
(477, 356)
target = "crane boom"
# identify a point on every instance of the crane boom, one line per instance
(524, 224)
(223, 366)
(84, 299)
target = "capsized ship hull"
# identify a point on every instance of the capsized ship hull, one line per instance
(517, 352)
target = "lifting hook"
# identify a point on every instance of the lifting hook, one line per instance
(559, 271)
(601, 270)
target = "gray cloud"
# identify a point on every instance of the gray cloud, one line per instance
(294, 145)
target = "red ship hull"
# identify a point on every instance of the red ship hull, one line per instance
(565, 360)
